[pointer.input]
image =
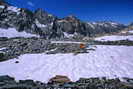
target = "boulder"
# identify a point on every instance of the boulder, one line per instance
(6, 78)
(1, 57)
(59, 79)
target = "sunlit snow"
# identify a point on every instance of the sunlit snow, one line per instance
(11, 32)
(130, 31)
(1, 6)
(108, 61)
(39, 24)
(114, 38)
(14, 9)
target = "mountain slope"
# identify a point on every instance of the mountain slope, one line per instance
(31, 56)
(51, 27)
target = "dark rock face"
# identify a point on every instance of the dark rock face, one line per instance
(14, 47)
(17, 46)
(50, 27)
(3, 2)
(6, 77)
(2, 57)
(130, 26)
(43, 17)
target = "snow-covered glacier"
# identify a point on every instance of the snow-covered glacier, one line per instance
(108, 61)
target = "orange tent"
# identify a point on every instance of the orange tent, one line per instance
(82, 45)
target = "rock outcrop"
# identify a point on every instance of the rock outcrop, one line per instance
(7, 82)
(59, 79)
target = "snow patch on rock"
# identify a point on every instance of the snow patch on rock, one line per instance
(1, 6)
(40, 25)
(12, 32)
(14, 9)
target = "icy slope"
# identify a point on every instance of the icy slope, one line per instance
(114, 38)
(11, 32)
(131, 31)
(109, 61)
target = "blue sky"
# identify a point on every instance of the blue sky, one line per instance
(86, 10)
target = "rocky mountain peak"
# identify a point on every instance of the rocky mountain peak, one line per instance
(49, 26)
(43, 17)
(40, 11)
(71, 18)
